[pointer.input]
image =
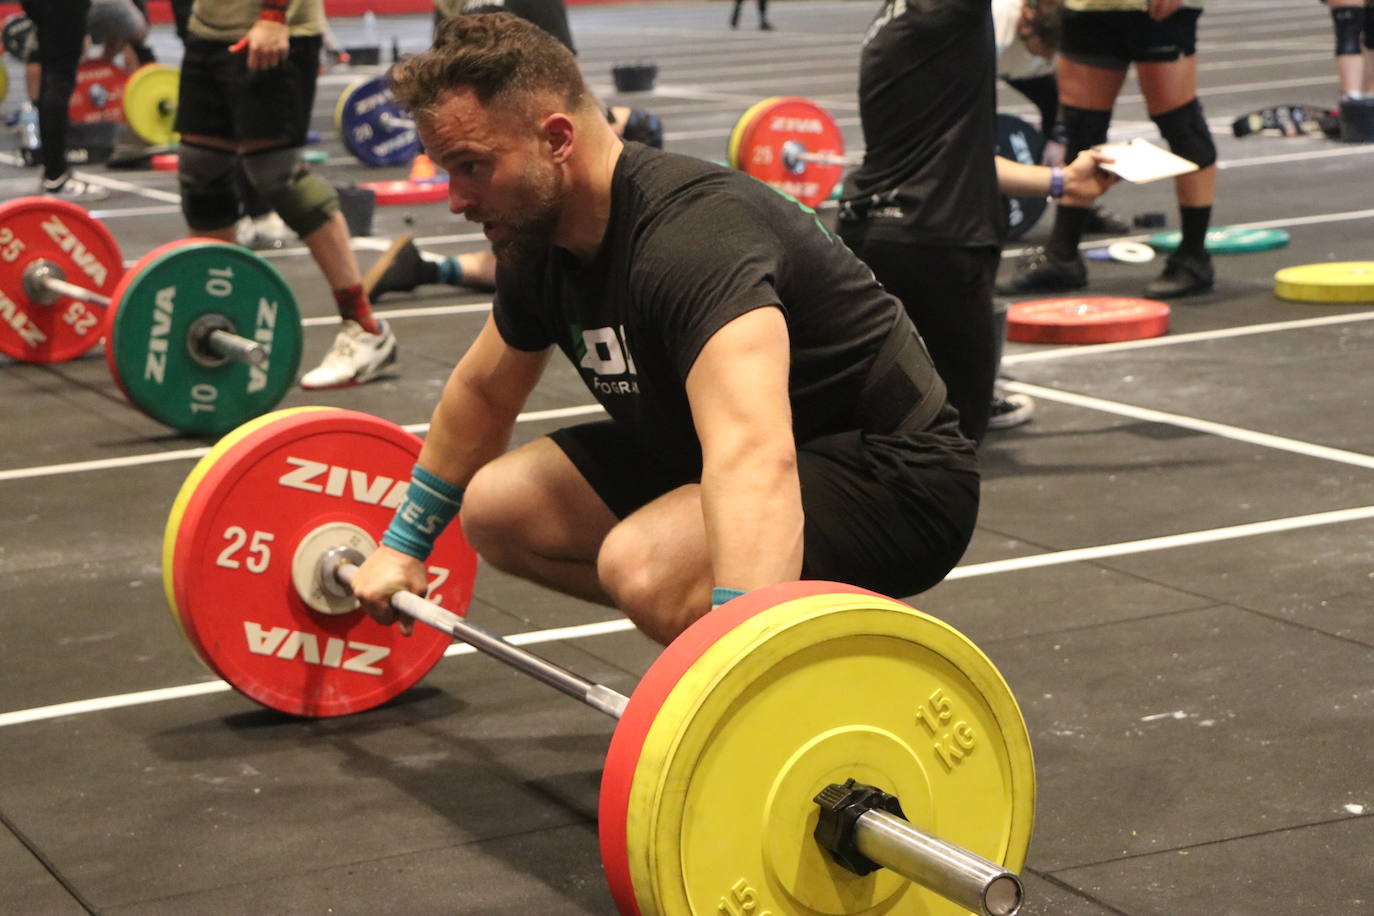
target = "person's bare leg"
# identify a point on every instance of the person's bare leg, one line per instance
(530, 513)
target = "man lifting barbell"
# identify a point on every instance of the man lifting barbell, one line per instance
(247, 86)
(773, 414)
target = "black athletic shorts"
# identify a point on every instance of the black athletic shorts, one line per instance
(221, 98)
(1113, 39)
(877, 516)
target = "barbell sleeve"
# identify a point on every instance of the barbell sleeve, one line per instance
(953, 872)
(595, 695)
(239, 349)
(44, 278)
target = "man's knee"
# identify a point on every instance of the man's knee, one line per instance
(303, 200)
(494, 516)
(1186, 131)
(205, 174)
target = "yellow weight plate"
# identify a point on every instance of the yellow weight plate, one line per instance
(188, 489)
(150, 102)
(343, 100)
(741, 126)
(810, 692)
(1347, 281)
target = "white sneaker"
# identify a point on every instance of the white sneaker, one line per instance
(356, 357)
(69, 187)
(264, 233)
(1010, 410)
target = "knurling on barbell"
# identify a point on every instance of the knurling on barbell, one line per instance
(747, 720)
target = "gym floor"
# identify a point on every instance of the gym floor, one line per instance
(1172, 566)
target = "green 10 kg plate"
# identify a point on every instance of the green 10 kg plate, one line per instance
(165, 309)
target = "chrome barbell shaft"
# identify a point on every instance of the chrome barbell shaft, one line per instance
(43, 277)
(953, 872)
(595, 695)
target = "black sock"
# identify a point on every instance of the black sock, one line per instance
(1194, 221)
(1069, 223)
(428, 271)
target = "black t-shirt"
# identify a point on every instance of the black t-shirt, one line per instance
(689, 247)
(927, 102)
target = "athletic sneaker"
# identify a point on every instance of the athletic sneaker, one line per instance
(356, 357)
(264, 233)
(69, 187)
(1010, 410)
(1184, 275)
(396, 271)
(1040, 273)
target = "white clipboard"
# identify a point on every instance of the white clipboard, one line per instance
(1139, 161)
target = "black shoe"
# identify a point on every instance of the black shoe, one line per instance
(396, 271)
(644, 126)
(1010, 410)
(765, 26)
(1104, 222)
(1184, 275)
(1040, 273)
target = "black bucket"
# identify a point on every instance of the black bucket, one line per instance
(1357, 121)
(357, 205)
(637, 77)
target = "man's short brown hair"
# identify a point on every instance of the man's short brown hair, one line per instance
(503, 59)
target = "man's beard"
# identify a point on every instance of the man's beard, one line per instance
(533, 221)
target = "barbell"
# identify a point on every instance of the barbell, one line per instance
(171, 322)
(806, 748)
(794, 144)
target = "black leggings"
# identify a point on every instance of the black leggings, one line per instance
(947, 291)
(61, 27)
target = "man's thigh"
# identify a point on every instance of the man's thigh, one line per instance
(536, 495)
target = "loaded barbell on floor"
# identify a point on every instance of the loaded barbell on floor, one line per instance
(170, 323)
(727, 785)
(794, 144)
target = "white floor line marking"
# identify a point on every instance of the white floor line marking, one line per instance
(187, 454)
(1037, 356)
(1281, 223)
(1236, 433)
(417, 312)
(1125, 548)
(619, 625)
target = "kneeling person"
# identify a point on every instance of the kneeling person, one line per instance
(773, 412)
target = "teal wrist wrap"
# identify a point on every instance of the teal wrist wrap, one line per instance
(720, 595)
(430, 504)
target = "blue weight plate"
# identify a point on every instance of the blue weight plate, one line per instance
(373, 127)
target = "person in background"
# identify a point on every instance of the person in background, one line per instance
(1101, 40)
(247, 87)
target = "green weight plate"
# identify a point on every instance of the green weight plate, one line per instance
(155, 335)
(1226, 240)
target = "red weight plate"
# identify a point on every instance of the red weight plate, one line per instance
(36, 229)
(232, 564)
(1086, 320)
(407, 192)
(99, 94)
(797, 120)
(166, 162)
(617, 777)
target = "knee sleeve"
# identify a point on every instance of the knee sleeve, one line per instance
(206, 175)
(1348, 21)
(302, 199)
(1369, 25)
(1185, 129)
(1083, 128)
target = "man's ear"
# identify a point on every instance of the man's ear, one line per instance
(558, 131)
